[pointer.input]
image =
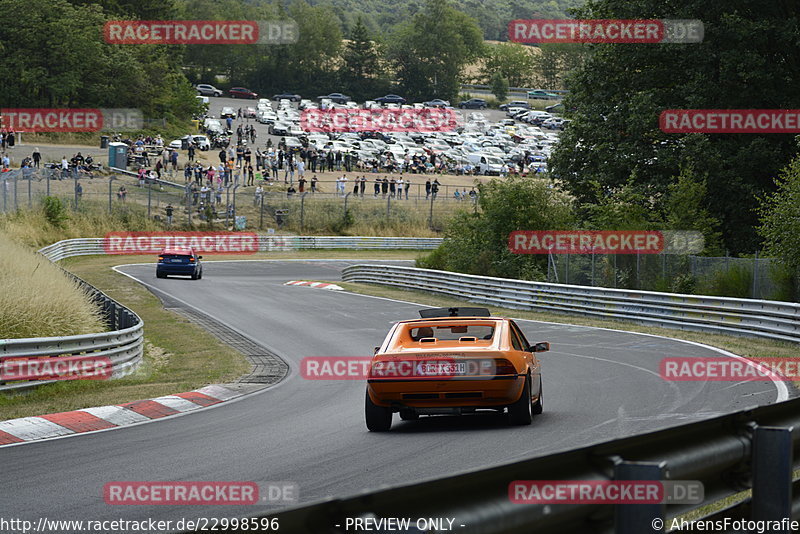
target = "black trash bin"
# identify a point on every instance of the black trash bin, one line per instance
(184, 144)
(104, 141)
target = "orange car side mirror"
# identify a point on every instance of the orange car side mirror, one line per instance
(543, 346)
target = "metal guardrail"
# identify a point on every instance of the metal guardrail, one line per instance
(719, 315)
(749, 449)
(94, 245)
(122, 344)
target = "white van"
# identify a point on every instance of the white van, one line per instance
(486, 163)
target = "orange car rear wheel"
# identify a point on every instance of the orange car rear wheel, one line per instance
(379, 419)
(520, 412)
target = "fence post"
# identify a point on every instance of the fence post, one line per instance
(47, 175)
(344, 215)
(592, 268)
(110, 181)
(755, 276)
(261, 210)
(566, 269)
(235, 187)
(5, 194)
(149, 197)
(75, 177)
(16, 203)
(189, 209)
(430, 215)
(302, 210)
(388, 207)
(30, 193)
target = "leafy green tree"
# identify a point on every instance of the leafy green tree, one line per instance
(556, 61)
(779, 213)
(499, 86)
(362, 66)
(620, 92)
(477, 243)
(430, 51)
(513, 61)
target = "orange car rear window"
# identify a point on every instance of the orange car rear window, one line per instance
(448, 332)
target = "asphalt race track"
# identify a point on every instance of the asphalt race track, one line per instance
(598, 385)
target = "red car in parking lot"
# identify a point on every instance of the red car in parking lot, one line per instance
(241, 92)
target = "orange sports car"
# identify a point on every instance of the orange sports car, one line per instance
(450, 362)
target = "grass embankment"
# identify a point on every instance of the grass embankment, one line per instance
(36, 229)
(38, 300)
(179, 356)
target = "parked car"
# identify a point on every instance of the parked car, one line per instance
(337, 98)
(473, 103)
(205, 89)
(515, 104)
(555, 108)
(213, 125)
(241, 92)
(288, 96)
(278, 128)
(436, 103)
(543, 95)
(267, 117)
(391, 99)
(179, 261)
(227, 112)
(249, 112)
(201, 141)
(487, 164)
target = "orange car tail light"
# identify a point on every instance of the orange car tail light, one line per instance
(504, 367)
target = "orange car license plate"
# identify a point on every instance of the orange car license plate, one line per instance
(442, 368)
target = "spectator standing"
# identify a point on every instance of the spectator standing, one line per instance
(168, 211)
(314, 183)
(407, 186)
(427, 188)
(37, 157)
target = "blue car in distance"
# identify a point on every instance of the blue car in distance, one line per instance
(182, 262)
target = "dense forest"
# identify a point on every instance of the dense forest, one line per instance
(492, 15)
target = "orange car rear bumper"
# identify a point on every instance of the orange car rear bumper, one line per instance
(462, 391)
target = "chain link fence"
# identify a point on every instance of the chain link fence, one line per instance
(181, 203)
(759, 278)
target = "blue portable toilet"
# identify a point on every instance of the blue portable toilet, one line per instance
(118, 155)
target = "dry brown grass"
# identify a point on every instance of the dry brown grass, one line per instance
(38, 299)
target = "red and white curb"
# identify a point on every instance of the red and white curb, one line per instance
(318, 285)
(104, 417)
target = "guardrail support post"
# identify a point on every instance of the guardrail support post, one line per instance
(639, 518)
(772, 475)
